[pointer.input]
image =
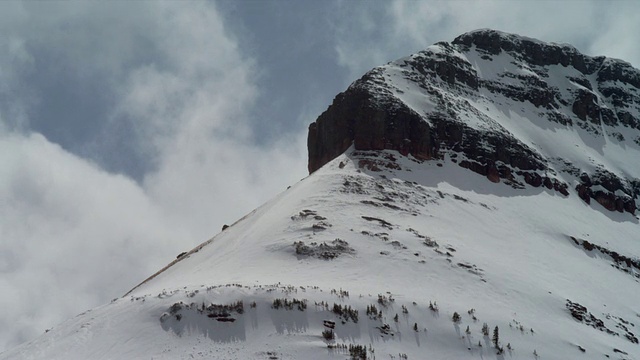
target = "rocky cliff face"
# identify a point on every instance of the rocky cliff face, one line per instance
(516, 110)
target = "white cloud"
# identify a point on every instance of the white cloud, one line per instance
(617, 32)
(75, 236)
(71, 235)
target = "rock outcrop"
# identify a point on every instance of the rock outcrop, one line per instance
(463, 101)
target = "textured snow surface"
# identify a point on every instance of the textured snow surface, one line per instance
(419, 234)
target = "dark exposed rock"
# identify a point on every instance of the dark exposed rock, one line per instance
(357, 118)
(325, 251)
(581, 314)
(620, 194)
(616, 70)
(586, 106)
(584, 192)
(383, 223)
(621, 262)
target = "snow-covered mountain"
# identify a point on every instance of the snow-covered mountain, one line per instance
(514, 109)
(482, 187)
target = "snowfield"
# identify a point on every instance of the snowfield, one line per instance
(427, 233)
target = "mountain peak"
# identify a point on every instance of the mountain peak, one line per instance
(496, 41)
(514, 109)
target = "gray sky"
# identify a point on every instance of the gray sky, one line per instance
(132, 131)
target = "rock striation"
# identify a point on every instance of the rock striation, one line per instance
(514, 109)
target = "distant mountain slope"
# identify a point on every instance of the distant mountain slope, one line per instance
(397, 247)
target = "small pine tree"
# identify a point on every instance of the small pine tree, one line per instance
(415, 326)
(467, 331)
(395, 318)
(456, 317)
(485, 329)
(496, 338)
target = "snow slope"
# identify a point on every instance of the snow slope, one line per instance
(424, 233)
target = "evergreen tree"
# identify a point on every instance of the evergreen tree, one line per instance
(496, 338)
(485, 329)
(456, 317)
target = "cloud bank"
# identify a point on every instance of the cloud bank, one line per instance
(174, 94)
